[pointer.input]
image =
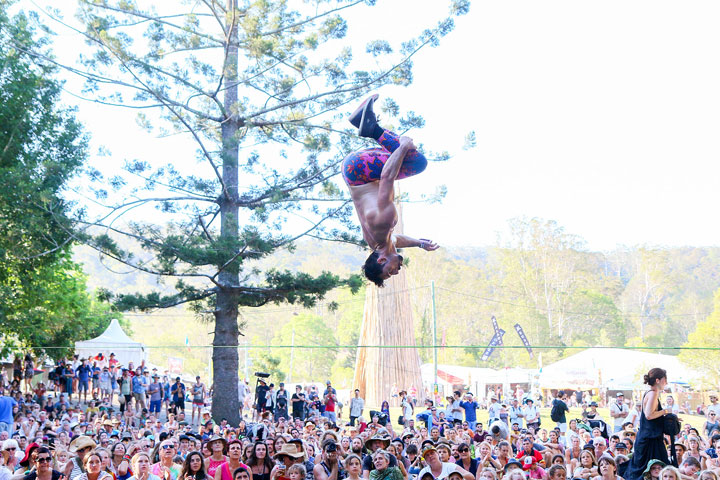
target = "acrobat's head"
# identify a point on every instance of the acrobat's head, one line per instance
(379, 266)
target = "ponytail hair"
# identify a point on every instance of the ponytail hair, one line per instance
(654, 375)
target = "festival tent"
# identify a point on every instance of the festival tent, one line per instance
(113, 340)
(610, 368)
(476, 379)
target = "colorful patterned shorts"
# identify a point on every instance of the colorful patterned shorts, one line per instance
(365, 166)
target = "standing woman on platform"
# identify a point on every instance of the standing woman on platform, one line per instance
(650, 443)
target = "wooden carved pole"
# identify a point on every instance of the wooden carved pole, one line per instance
(388, 321)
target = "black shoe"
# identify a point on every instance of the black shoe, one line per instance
(364, 118)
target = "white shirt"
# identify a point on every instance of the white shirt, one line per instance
(494, 411)
(456, 410)
(531, 414)
(634, 417)
(407, 409)
(447, 469)
(515, 417)
(616, 408)
(243, 390)
(356, 406)
(568, 437)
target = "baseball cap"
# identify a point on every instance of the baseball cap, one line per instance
(528, 462)
(428, 448)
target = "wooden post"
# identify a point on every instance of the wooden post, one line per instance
(387, 321)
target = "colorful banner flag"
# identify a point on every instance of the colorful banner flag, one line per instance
(524, 339)
(495, 341)
(497, 328)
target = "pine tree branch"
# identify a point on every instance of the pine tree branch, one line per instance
(145, 88)
(338, 240)
(219, 20)
(173, 187)
(310, 19)
(313, 227)
(180, 300)
(148, 17)
(309, 182)
(232, 259)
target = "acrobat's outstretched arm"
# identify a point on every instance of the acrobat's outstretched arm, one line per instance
(403, 241)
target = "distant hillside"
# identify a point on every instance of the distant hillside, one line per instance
(312, 256)
(561, 295)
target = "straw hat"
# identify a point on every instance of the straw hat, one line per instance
(289, 450)
(83, 441)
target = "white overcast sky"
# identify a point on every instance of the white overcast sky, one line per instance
(603, 116)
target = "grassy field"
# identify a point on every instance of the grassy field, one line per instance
(696, 421)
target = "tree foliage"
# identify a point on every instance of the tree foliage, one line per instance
(43, 297)
(305, 364)
(233, 76)
(706, 334)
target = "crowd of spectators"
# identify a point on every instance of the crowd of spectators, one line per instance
(95, 420)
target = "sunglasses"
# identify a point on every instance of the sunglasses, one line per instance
(167, 447)
(11, 449)
(463, 450)
(42, 459)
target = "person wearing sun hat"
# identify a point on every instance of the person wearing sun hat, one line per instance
(288, 455)
(80, 446)
(651, 473)
(27, 461)
(217, 446)
(379, 441)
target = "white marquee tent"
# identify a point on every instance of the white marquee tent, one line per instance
(476, 379)
(612, 368)
(113, 340)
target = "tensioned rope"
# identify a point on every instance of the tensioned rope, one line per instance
(424, 347)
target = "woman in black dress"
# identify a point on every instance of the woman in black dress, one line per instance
(650, 443)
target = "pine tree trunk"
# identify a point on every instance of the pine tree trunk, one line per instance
(225, 358)
(387, 321)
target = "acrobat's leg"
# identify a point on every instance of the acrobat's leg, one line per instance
(366, 165)
(414, 162)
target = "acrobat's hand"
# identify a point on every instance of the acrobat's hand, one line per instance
(428, 245)
(406, 142)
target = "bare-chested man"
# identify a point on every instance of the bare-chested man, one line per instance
(370, 174)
